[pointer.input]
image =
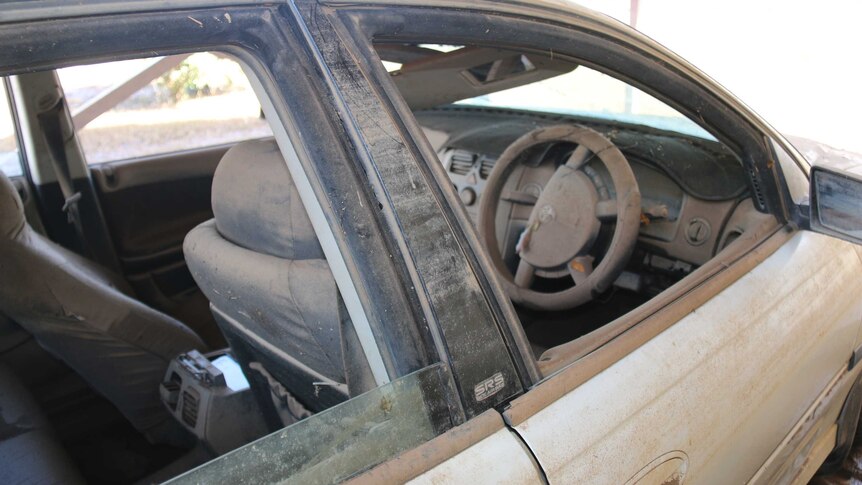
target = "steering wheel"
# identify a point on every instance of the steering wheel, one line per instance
(566, 219)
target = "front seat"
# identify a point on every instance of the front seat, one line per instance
(84, 316)
(271, 290)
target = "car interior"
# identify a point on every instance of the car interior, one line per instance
(215, 318)
(695, 196)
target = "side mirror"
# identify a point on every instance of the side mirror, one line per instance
(836, 203)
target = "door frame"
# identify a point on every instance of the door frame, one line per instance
(263, 38)
(601, 45)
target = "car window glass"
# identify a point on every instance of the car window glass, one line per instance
(10, 160)
(333, 445)
(587, 92)
(186, 102)
(511, 123)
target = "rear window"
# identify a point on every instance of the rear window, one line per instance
(144, 107)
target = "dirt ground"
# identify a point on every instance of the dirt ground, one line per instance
(119, 142)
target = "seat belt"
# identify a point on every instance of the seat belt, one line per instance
(52, 131)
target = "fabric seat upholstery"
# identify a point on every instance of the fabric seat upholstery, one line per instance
(261, 266)
(85, 317)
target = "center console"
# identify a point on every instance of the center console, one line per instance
(209, 395)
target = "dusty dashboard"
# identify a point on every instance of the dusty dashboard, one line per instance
(689, 189)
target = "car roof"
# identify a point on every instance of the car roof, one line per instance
(553, 10)
(23, 10)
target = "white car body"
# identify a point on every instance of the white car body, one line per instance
(758, 363)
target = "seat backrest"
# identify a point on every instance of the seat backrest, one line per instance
(86, 317)
(269, 285)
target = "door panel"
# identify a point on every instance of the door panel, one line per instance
(724, 385)
(150, 204)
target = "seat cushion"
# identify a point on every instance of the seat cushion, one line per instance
(29, 451)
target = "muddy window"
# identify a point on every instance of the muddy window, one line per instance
(143, 107)
(335, 444)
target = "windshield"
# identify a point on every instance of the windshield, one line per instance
(586, 92)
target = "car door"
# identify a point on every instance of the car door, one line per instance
(715, 383)
(717, 392)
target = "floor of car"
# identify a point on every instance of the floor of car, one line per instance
(548, 329)
(117, 454)
(101, 442)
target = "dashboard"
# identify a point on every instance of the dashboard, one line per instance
(690, 188)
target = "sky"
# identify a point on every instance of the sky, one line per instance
(795, 63)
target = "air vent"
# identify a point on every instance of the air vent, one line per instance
(755, 184)
(486, 167)
(461, 162)
(190, 407)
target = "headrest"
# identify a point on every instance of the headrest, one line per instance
(257, 206)
(11, 209)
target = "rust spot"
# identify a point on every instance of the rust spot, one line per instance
(577, 266)
(386, 405)
(644, 219)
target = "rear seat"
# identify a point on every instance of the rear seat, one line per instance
(29, 451)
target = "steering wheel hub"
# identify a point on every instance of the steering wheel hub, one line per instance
(565, 221)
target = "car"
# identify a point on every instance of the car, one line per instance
(425, 241)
